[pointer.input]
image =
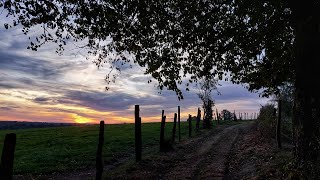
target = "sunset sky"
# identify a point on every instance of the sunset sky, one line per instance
(43, 86)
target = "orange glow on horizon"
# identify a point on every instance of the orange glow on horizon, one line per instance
(80, 119)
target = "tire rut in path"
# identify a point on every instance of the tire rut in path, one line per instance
(209, 157)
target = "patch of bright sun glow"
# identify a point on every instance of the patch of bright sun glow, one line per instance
(80, 119)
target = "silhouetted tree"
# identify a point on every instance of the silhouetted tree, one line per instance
(206, 87)
(208, 116)
(226, 115)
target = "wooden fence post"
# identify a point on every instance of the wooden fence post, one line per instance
(7, 157)
(163, 123)
(274, 116)
(179, 123)
(138, 138)
(217, 116)
(278, 133)
(190, 125)
(99, 159)
(198, 119)
(174, 127)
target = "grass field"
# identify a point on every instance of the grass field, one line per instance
(46, 150)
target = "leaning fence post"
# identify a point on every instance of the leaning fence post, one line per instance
(163, 122)
(179, 123)
(174, 127)
(190, 125)
(6, 167)
(217, 114)
(138, 139)
(99, 160)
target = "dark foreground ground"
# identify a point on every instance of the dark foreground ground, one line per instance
(229, 151)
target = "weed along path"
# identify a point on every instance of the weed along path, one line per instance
(202, 157)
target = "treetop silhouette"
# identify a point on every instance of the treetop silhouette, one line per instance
(172, 39)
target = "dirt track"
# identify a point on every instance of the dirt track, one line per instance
(204, 157)
(207, 158)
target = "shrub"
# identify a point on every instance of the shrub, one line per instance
(267, 120)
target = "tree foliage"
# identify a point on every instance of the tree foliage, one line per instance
(262, 45)
(172, 39)
(286, 94)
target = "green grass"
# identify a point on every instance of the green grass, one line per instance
(45, 150)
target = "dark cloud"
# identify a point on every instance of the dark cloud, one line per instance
(14, 44)
(102, 101)
(42, 100)
(27, 81)
(19, 72)
(51, 86)
(18, 83)
(121, 104)
(28, 66)
(20, 95)
(233, 92)
(7, 86)
(5, 107)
